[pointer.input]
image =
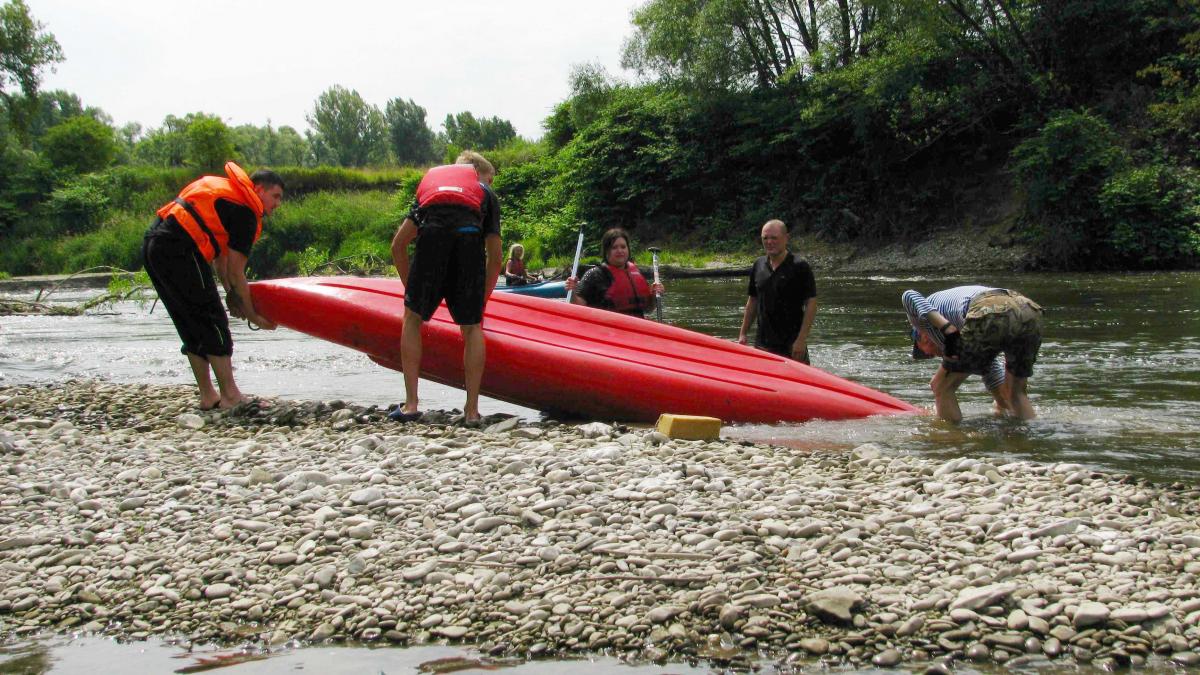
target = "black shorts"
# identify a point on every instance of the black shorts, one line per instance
(184, 281)
(447, 265)
(785, 352)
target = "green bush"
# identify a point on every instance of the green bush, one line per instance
(322, 221)
(80, 145)
(77, 207)
(1063, 169)
(301, 181)
(1154, 216)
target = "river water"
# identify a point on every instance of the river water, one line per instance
(1117, 384)
(1116, 387)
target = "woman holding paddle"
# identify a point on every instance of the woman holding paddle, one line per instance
(615, 284)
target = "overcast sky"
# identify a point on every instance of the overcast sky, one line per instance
(258, 60)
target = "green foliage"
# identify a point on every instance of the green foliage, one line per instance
(515, 152)
(322, 221)
(165, 146)
(467, 132)
(80, 145)
(270, 147)
(347, 131)
(1063, 169)
(411, 138)
(210, 143)
(25, 51)
(302, 181)
(1153, 213)
(26, 179)
(77, 207)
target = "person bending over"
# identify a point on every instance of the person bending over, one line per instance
(969, 327)
(210, 226)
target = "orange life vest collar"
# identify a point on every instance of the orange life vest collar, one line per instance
(195, 209)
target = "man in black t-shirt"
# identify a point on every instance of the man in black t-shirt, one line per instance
(783, 297)
(457, 258)
(209, 227)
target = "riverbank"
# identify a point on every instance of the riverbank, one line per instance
(123, 511)
(982, 249)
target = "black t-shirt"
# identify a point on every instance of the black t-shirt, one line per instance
(452, 217)
(782, 294)
(237, 219)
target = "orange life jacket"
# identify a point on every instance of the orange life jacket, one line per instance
(629, 292)
(195, 209)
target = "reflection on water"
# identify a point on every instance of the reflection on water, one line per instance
(90, 655)
(1116, 385)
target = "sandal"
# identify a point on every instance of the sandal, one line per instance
(398, 415)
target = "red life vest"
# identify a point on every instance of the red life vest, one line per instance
(629, 293)
(195, 209)
(454, 184)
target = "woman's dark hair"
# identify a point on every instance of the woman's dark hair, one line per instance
(610, 237)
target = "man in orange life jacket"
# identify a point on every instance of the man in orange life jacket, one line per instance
(455, 223)
(616, 284)
(783, 297)
(211, 225)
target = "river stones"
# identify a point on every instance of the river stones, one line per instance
(539, 537)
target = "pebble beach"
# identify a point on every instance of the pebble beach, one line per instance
(125, 511)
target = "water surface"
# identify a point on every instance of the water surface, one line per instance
(1116, 385)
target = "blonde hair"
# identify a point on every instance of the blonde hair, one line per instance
(512, 250)
(483, 167)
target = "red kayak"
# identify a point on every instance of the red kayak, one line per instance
(576, 360)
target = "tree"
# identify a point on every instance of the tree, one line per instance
(411, 138)
(25, 50)
(267, 146)
(734, 44)
(467, 132)
(347, 131)
(592, 88)
(80, 145)
(166, 145)
(210, 143)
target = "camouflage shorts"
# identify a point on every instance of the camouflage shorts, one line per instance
(998, 322)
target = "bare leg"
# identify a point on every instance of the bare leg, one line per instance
(410, 359)
(209, 397)
(223, 368)
(474, 356)
(1003, 396)
(1019, 402)
(945, 387)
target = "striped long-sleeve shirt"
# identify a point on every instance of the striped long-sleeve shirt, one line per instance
(952, 304)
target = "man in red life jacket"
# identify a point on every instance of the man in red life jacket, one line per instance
(783, 297)
(211, 225)
(455, 223)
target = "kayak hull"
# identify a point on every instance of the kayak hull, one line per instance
(542, 289)
(576, 360)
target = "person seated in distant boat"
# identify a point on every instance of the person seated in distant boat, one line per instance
(969, 327)
(615, 284)
(514, 269)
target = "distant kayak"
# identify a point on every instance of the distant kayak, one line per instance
(542, 289)
(577, 360)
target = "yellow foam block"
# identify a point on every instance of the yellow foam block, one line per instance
(689, 427)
